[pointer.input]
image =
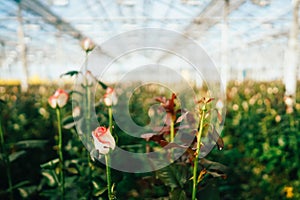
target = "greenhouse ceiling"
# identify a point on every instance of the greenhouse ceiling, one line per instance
(51, 30)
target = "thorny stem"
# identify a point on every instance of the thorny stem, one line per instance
(60, 154)
(7, 163)
(199, 134)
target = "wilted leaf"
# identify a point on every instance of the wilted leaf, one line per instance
(214, 135)
(147, 136)
(209, 100)
(12, 157)
(217, 174)
(214, 168)
(220, 143)
(182, 117)
(162, 129)
(70, 73)
(152, 137)
(201, 175)
(220, 118)
(160, 99)
(169, 145)
(205, 100)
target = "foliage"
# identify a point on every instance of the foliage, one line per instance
(261, 143)
(261, 152)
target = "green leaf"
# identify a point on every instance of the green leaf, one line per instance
(50, 194)
(12, 157)
(26, 192)
(75, 92)
(72, 170)
(31, 143)
(173, 176)
(209, 192)
(20, 184)
(70, 73)
(178, 194)
(51, 177)
(51, 164)
(68, 122)
(2, 102)
(211, 165)
(103, 85)
(100, 192)
(70, 181)
(214, 168)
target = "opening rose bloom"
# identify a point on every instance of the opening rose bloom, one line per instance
(87, 44)
(60, 99)
(110, 97)
(103, 140)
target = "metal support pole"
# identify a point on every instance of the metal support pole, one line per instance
(23, 51)
(224, 45)
(291, 54)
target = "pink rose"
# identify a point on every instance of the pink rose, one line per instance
(103, 140)
(60, 99)
(110, 97)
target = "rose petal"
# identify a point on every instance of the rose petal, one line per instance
(103, 140)
(52, 101)
(62, 100)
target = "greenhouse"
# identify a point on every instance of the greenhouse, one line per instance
(150, 99)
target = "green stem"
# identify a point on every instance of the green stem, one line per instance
(60, 154)
(110, 118)
(172, 135)
(88, 123)
(172, 132)
(107, 156)
(108, 176)
(7, 163)
(199, 134)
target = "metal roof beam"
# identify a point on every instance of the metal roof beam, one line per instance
(214, 12)
(39, 9)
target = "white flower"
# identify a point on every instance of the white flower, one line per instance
(103, 140)
(60, 99)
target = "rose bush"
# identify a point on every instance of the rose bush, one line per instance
(261, 149)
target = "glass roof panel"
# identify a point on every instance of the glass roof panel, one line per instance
(49, 26)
